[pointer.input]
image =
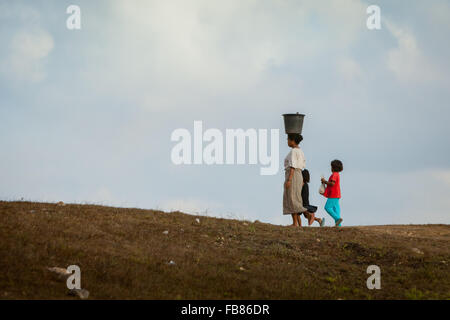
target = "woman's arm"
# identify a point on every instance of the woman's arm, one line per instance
(287, 184)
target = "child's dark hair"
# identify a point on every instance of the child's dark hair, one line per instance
(306, 177)
(337, 166)
(296, 137)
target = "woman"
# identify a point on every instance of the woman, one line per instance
(294, 163)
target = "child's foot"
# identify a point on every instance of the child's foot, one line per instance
(311, 219)
(322, 222)
(338, 222)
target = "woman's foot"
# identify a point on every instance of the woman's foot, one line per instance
(294, 220)
(338, 222)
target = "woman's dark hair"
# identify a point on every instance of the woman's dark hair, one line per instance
(337, 166)
(296, 137)
(306, 177)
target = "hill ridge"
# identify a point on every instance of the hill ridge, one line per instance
(136, 253)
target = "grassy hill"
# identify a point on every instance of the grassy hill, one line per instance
(125, 253)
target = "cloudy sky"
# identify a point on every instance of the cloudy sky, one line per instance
(86, 115)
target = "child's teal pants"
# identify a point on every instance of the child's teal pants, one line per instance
(333, 208)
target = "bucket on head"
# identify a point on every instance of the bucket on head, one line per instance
(293, 122)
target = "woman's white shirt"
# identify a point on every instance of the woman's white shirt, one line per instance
(295, 159)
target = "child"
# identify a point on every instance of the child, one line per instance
(333, 192)
(305, 197)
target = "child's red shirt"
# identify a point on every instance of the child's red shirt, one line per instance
(333, 191)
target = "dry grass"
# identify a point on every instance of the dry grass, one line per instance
(123, 254)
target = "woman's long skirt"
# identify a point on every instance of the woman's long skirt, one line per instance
(292, 197)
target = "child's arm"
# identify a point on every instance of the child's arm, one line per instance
(328, 183)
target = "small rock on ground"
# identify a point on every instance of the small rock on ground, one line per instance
(81, 293)
(62, 273)
(418, 251)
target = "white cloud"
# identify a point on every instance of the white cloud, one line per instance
(28, 49)
(204, 48)
(103, 194)
(442, 176)
(17, 11)
(25, 48)
(407, 61)
(439, 12)
(419, 197)
(349, 69)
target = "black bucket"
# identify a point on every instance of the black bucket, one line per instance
(293, 122)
